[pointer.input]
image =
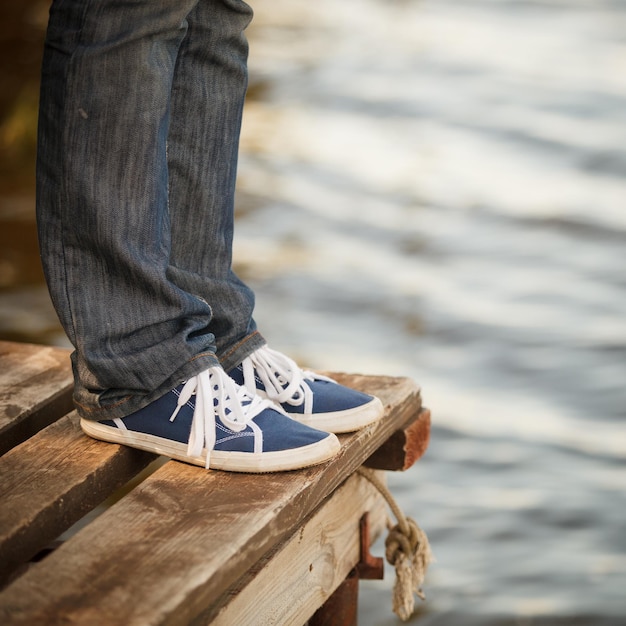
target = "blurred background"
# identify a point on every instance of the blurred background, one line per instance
(434, 190)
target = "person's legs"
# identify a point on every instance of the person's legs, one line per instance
(140, 118)
(208, 94)
(103, 211)
(145, 366)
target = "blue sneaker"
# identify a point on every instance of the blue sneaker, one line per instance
(211, 421)
(312, 399)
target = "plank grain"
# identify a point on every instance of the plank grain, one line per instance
(35, 390)
(52, 480)
(309, 566)
(173, 545)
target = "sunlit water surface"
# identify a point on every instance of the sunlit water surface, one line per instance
(437, 190)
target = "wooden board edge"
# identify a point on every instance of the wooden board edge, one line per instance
(289, 586)
(405, 446)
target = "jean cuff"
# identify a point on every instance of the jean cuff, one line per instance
(131, 403)
(233, 356)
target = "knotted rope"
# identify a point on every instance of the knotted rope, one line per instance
(407, 549)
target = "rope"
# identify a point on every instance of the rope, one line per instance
(407, 549)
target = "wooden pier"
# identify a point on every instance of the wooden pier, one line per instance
(176, 544)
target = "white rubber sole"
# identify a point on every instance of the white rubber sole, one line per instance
(343, 421)
(264, 462)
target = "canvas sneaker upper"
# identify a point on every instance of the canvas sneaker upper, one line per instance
(212, 421)
(306, 396)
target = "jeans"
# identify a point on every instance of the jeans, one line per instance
(140, 115)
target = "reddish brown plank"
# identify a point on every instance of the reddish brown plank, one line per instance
(405, 446)
(173, 545)
(35, 390)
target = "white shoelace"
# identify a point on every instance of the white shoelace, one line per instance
(282, 378)
(218, 395)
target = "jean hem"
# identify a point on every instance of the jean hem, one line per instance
(234, 355)
(131, 403)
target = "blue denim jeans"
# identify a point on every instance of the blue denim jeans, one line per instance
(140, 114)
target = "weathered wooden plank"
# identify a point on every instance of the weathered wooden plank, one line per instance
(404, 447)
(35, 390)
(51, 481)
(308, 567)
(173, 545)
(342, 608)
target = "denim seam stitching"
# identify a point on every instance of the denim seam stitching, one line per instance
(239, 344)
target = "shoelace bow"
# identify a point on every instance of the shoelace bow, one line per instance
(282, 378)
(217, 395)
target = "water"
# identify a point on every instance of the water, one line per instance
(437, 190)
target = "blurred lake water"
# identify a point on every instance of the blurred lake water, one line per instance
(438, 190)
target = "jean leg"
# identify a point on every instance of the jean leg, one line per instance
(102, 201)
(207, 101)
